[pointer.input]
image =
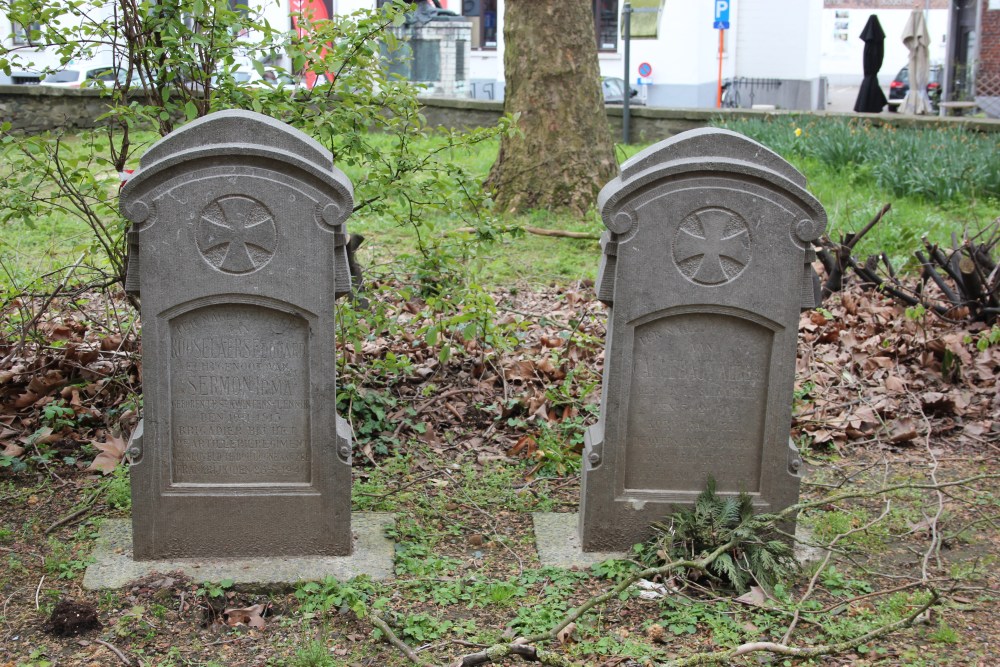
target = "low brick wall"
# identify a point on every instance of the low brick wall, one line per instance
(40, 108)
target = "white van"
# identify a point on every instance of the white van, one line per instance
(82, 74)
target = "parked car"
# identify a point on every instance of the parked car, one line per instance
(24, 78)
(900, 86)
(82, 75)
(614, 91)
(271, 78)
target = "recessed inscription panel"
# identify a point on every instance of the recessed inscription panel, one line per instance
(239, 384)
(697, 403)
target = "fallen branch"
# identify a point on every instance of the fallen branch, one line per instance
(114, 649)
(87, 506)
(524, 651)
(538, 231)
(399, 487)
(720, 657)
(404, 648)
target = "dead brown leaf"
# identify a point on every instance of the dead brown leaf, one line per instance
(112, 453)
(525, 445)
(111, 343)
(937, 403)
(12, 450)
(249, 616)
(43, 384)
(893, 383)
(565, 635)
(755, 597)
(903, 430)
(25, 399)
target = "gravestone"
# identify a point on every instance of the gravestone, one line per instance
(705, 265)
(237, 250)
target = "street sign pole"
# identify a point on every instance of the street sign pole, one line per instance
(627, 93)
(718, 93)
(720, 23)
(627, 12)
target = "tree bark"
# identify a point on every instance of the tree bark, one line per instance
(563, 154)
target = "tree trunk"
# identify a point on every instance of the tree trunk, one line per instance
(563, 155)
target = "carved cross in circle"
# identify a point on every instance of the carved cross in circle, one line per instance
(712, 246)
(236, 234)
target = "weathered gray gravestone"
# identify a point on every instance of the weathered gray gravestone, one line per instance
(237, 249)
(706, 266)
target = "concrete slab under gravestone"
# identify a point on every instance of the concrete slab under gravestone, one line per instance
(558, 542)
(114, 566)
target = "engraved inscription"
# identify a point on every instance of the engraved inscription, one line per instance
(239, 385)
(697, 403)
(712, 246)
(236, 234)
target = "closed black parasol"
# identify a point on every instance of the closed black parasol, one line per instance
(871, 99)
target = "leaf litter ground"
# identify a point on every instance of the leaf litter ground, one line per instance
(462, 447)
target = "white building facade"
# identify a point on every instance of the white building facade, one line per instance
(843, 20)
(777, 52)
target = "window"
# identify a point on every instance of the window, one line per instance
(606, 24)
(483, 14)
(22, 33)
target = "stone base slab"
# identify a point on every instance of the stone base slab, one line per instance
(806, 552)
(558, 542)
(114, 567)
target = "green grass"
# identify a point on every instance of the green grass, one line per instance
(949, 184)
(940, 182)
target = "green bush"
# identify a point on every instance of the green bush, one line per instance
(183, 60)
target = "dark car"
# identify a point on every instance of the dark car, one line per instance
(614, 91)
(900, 86)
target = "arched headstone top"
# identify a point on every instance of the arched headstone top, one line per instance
(236, 126)
(706, 142)
(238, 134)
(707, 151)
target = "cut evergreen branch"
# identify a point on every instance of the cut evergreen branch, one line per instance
(714, 519)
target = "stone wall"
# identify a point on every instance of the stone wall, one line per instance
(650, 124)
(40, 108)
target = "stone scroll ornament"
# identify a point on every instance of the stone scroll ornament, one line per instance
(706, 265)
(237, 249)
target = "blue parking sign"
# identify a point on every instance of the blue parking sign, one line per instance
(721, 21)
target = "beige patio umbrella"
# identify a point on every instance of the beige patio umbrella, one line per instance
(917, 40)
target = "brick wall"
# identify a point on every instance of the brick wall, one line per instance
(989, 49)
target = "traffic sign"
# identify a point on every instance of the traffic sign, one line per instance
(645, 69)
(721, 21)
